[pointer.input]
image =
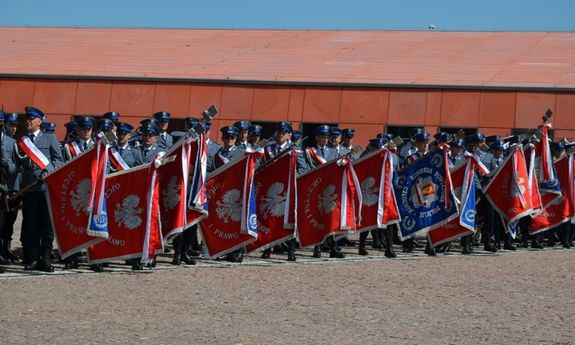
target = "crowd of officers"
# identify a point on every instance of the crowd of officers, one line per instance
(141, 146)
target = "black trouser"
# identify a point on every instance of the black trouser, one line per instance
(491, 220)
(183, 241)
(37, 233)
(7, 229)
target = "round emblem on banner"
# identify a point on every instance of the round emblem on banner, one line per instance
(101, 220)
(253, 222)
(469, 216)
(408, 223)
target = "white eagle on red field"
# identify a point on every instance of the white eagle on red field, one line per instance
(326, 202)
(229, 207)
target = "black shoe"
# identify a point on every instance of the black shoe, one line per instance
(525, 244)
(291, 255)
(267, 253)
(4, 261)
(536, 245)
(276, 249)
(136, 265)
(177, 260)
(509, 247)
(316, 252)
(347, 242)
(188, 260)
(430, 251)
(334, 253)
(362, 252)
(31, 266)
(389, 253)
(45, 266)
(97, 268)
(2, 270)
(490, 248)
(7, 252)
(151, 264)
(72, 264)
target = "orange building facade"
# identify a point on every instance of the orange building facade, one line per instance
(71, 87)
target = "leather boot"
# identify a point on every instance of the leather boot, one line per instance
(266, 253)
(71, 262)
(429, 250)
(3, 260)
(188, 260)
(317, 252)
(362, 240)
(45, 265)
(177, 243)
(7, 252)
(291, 252)
(334, 253)
(509, 243)
(376, 236)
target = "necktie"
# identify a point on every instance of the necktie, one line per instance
(322, 152)
(32, 137)
(278, 149)
(85, 145)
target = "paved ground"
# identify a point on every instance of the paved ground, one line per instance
(523, 297)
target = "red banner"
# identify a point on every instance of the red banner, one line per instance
(69, 193)
(328, 202)
(275, 202)
(379, 207)
(508, 190)
(133, 217)
(461, 176)
(561, 209)
(173, 181)
(222, 229)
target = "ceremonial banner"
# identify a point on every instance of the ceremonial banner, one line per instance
(232, 221)
(425, 195)
(544, 168)
(173, 181)
(275, 185)
(561, 209)
(533, 186)
(508, 190)
(134, 222)
(76, 201)
(197, 196)
(463, 178)
(379, 207)
(328, 202)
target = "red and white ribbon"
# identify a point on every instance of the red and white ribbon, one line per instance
(117, 161)
(33, 152)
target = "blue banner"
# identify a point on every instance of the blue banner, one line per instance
(424, 199)
(468, 212)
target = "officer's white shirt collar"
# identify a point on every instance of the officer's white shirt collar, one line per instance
(36, 134)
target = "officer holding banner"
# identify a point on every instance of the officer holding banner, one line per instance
(84, 140)
(311, 158)
(37, 154)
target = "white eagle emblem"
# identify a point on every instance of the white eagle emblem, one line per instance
(368, 192)
(326, 202)
(230, 206)
(273, 202)
(80, 196)
(171, 193)
(128, 213)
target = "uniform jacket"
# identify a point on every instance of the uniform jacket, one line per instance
(49, 146)
(306, 162)
(165, 143)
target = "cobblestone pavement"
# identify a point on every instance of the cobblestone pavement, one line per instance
(523, 297)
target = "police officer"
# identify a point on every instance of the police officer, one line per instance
(37, 232)
(281, 142)
(254, 134)
(71, 132)
(114, 117)
(408, 149)
(83, 141)
(311, 158)
(9, 177)
(347, 135)
(420, 148)
(335, 141)
(242, 127)
(11, 124)
(48, 127)
(377, 234)
(130, 154)
(456, 152)
(104, 125)
(228, 151)
(493, 161)
(150, 146)
(165, 140)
